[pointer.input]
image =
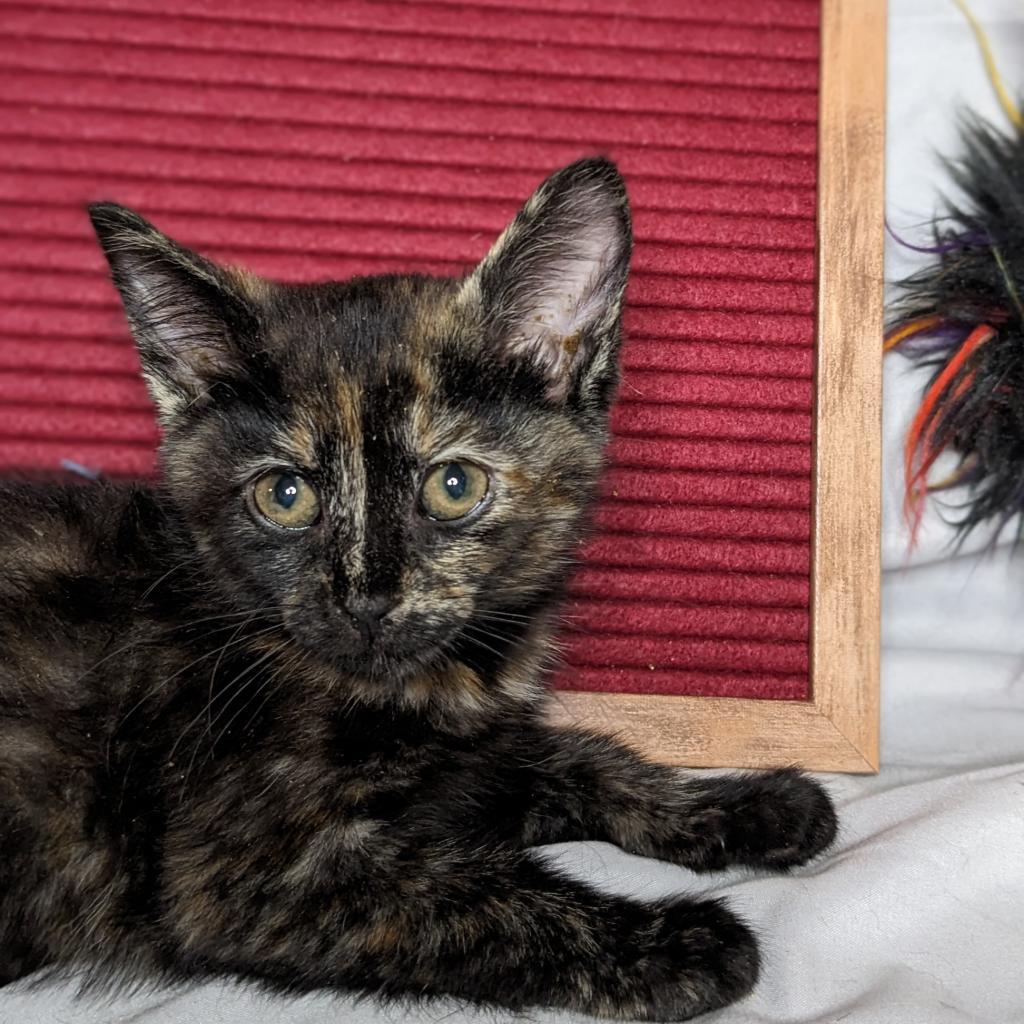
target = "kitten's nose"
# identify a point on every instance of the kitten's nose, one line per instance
(367, 613)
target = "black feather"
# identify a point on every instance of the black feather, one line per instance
(976, 278)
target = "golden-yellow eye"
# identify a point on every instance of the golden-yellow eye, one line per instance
(286, 500)
(453, 489)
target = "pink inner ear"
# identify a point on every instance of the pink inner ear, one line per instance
(182, 338)
(574, 295)
(576, 298)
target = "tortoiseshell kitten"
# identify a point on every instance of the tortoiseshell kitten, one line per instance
(282, 716)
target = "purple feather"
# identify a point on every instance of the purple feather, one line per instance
(970, 239)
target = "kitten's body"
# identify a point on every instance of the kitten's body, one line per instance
(211, 764)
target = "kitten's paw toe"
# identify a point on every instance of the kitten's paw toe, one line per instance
(701, 958)
(794, 822)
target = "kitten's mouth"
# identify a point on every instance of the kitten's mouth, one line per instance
(483, 650)
(382, 661)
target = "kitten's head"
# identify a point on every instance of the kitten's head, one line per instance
(398, 466)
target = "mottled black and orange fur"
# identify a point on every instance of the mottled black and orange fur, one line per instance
(207, 770)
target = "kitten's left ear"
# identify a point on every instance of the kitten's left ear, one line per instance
(190, 317)
(551, 287)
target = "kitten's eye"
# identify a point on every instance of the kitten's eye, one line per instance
(286, 500)
(453, 489)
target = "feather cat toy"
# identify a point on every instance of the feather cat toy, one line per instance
(963, 314)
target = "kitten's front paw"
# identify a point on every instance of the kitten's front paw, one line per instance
(698, 957)
(783, 821)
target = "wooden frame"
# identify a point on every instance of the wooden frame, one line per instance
(837, 729)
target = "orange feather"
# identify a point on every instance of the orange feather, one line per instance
(920, 451)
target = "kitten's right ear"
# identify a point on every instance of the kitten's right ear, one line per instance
(551, 288)
(186, 313)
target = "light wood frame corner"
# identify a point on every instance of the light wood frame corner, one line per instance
(837, 729)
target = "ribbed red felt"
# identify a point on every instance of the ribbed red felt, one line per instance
(325, 138)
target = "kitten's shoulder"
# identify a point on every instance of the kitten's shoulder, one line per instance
(67, 525)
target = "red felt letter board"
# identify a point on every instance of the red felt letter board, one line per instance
(324, 139)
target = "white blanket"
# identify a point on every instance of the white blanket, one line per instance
(917, 915)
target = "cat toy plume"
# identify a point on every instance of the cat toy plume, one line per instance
(963, 314)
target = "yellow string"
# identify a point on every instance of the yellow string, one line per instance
(917, 326)
(990, 65)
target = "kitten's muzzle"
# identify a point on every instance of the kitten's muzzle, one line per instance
(367, 615)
